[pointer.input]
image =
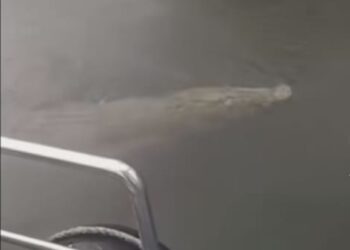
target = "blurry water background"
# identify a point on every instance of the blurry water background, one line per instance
(278, 180)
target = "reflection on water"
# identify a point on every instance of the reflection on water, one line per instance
(279, 179)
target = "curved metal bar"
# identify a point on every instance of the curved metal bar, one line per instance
(109, 166)
(29, 242)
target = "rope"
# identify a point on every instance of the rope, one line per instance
(102, 231)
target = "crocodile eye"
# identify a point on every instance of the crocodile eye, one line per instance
(228, 102)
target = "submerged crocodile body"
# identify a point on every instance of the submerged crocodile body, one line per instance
(134, 121)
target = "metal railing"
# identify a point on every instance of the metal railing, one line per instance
(112, 167)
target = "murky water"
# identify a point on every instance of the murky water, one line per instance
(275, 180)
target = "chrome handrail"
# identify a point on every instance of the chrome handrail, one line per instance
(132, 179)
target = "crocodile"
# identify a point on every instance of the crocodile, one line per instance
(139, 121)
